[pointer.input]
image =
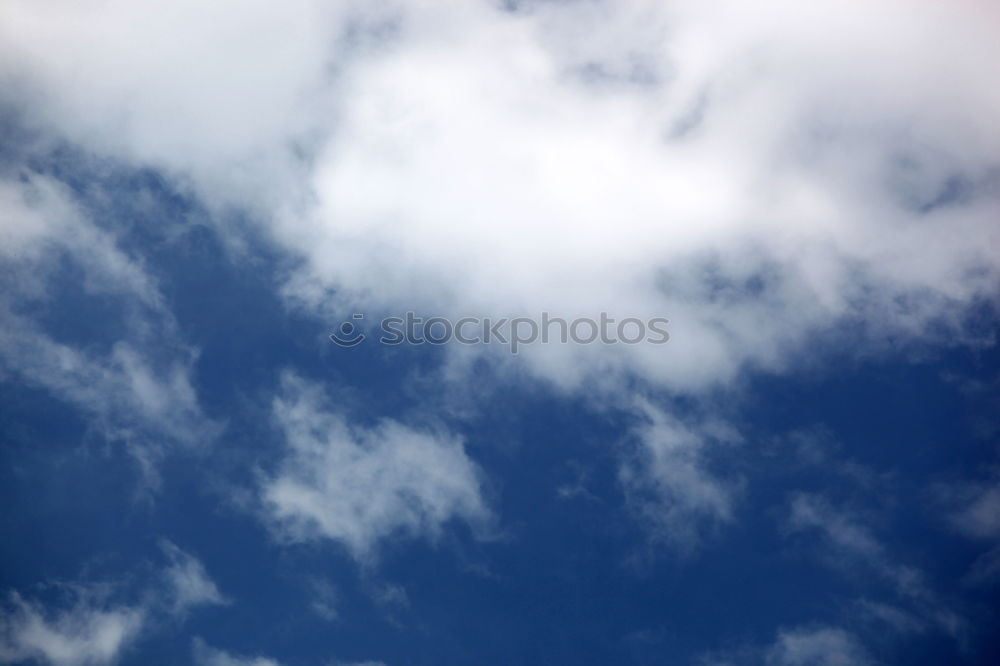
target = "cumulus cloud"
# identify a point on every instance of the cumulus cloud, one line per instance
(92, 624)
(222, 99)
(507, 162)
(756, 176)
(357, 484)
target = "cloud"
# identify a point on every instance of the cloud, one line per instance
(41, 220)
(667, 479)
(357, 484)
(326, 599)
(204, 655)
(86, 633)
(822, 646)
(811, 645)
(137, 387)
(809, 511)
(973, 509)
(92, 624)
(223, 100)
(979, 512)
(530, 171)
(850, 545)
(188, 581)
(985, 570)
(900, 621)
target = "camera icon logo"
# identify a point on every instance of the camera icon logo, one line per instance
(347, 334)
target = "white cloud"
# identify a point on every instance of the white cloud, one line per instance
(220, 98)
(92, 624)
(138, 390)
(985, 570)
(475, 169)
(204, 655)
(86, 633)
(895, 618)
(811, 645)
(809, 511)
(979, 515)
(357, 484)
(459, 157)
(821, 646)
(188, 581)
(852, 547)
(41, 219)
(325, 599)
(667, 478)
(974, 510)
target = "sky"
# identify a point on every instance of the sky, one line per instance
(199, 203)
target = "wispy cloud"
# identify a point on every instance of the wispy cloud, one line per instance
(358, 484)
(807, 645)
(850, 545)
(668, 478)
(90, 624)
(88, 632)
(819, 646)
(137, 389)
(205, 655)
(187, 581)
(973, 509)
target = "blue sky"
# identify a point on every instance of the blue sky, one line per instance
(192, 200)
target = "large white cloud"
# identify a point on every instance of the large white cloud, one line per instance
(213, 96)
(755, 174)
(504, 163)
